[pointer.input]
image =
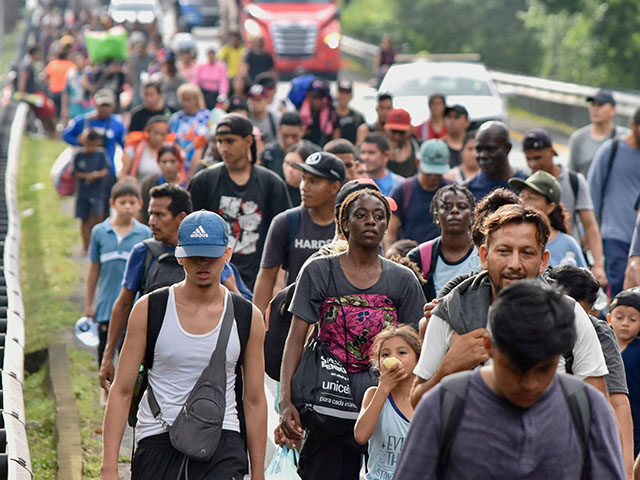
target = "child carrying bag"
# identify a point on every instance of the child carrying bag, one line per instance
(196, 430)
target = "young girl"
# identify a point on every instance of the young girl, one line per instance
(386, 409)
(353, 296)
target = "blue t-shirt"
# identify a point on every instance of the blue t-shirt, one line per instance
(85, 162)
(565, 250)
(135, 267)
(620, 192)
(415, 217)
(387, 183)
(112, 254)
(481, 185)
(631, 359)
(111, 129)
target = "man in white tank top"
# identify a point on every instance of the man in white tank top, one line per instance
(184, 346)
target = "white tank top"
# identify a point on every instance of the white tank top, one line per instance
(178, 360)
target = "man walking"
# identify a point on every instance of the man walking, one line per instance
(516, 418)
(584, 142)
(576, 199)
(515, 239)
(614, 180)
(104, 122)
(456, 122)
(414, 196)
(297, 233)
(492, 151)
(195, 310)
(247, 196)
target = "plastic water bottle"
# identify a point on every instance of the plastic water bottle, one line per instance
(86, 330)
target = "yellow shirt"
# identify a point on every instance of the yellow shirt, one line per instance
(232, 57)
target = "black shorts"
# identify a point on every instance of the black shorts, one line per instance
(156, 459)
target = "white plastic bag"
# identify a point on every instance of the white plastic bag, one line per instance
(283, 465)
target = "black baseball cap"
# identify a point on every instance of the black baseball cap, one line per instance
(267, 80)
(602, 96)
(360, 184)
(630, 298)
(325, 165)
(456, 108)
(345, 86)
(536, 139)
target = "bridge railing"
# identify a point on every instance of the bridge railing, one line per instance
(560, 101)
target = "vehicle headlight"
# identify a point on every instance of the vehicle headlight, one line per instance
(332, 40)
(251, 27)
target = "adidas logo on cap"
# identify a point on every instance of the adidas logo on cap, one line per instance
(199, 233)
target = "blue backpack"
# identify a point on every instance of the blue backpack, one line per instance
(299, 87)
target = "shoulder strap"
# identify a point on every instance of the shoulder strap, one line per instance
(453, 392)
(425, 256)
(138, 152)
(220, 353)
(272, 123)
(407, 193)
(155, 316)
(575, 393)
(216, 173)
(575, 185)
(294, 217)
(154, 250)
(243, 309)
(603, 188)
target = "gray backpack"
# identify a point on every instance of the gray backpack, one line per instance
(196, 430)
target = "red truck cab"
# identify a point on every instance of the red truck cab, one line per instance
(300, 34)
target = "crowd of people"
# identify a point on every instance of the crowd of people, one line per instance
(369, 266)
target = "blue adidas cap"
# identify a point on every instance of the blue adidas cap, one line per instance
(202, 234)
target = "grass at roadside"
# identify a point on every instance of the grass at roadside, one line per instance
(48, 277)
(84, 377)
(40, 411)
(9, 45)
(542, 121)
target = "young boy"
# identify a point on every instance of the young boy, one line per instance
(624, 318)
(90, 167)
(111, 242)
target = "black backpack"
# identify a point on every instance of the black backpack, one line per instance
(164, 271)
(279, 320)
(453, 392)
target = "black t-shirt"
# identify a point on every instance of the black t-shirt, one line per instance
(291, 247)
(455, 157)
(248, 210)
(294, 195)
(348, 125)
(26, 68)
(258, 63)
(408, 167)
(141, 115)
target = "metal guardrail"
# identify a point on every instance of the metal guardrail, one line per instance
(15, 461)
(561, 101)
